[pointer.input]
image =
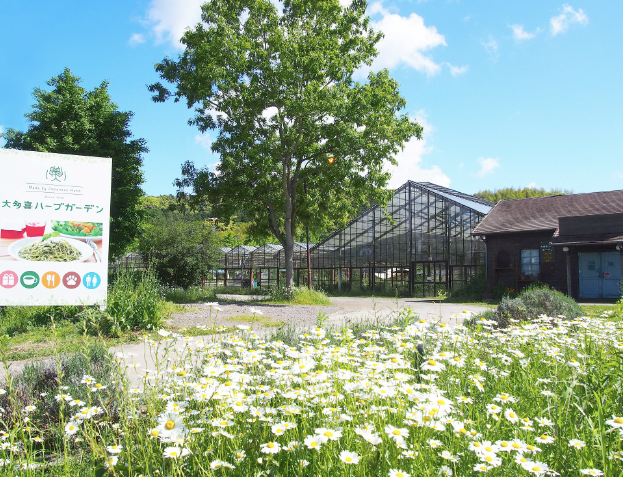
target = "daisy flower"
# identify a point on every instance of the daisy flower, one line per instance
(313, 442)
(349, 457)
(175, 452)
(398, 473)
(510, 415)
(114, 449)
(616, 422)
(591, 472)
(544, 439)
(270, 448)
(577, 443)
(536, 468)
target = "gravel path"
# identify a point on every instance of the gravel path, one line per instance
(343, 310)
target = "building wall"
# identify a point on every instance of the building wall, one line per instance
(553, 274)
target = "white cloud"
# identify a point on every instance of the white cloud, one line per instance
(170, 18)
(136, 39)
(520, 34)
(532, 185)
(2, 141)
(487, 166)
(457, 70)
(204, 141)
(406, 41)
(569, 16)
(410, 158)
(491, 46)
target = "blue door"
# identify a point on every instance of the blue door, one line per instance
(611, 274)
(600, 275)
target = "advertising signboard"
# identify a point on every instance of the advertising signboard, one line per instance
(54, 227)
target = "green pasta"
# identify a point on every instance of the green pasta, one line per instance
(50, 251)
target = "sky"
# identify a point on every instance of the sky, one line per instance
(519, 93)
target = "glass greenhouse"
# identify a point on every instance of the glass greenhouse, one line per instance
(419, 244)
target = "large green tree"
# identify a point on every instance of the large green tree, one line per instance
(300, 142)
(71, 120)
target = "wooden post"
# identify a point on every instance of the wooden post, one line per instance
(568, 256)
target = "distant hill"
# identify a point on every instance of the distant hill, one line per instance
(512, 193)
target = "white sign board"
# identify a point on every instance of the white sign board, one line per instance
(54, 227)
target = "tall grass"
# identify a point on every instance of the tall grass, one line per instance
(135, 301)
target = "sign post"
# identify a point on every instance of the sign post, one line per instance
(54, 228)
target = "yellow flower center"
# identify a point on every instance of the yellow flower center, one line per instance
(98, 385)
(504, 444)
(173, 454)
(270, 445)
(154, 433)
(328, 434)
(396, 432)
(618, 420)
(239, 403)
(169, 425)
(431, 362)
(349, 459)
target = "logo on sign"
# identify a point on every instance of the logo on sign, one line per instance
(51, 279)
(71, 280)
(55, 173)
(91, 280)
(29, 279)
(8, 279)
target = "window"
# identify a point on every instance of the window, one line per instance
(530, 262)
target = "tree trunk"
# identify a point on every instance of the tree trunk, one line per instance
(289, 245)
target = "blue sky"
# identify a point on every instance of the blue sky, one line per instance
(513, 93)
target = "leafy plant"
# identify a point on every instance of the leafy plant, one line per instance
(134, 302)
(535, 301)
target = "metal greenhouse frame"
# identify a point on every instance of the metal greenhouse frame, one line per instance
(418, 244)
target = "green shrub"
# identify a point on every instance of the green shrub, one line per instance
(135, 301)
(535, 301)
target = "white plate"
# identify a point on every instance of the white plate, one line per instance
(86, 252)
(82, 239)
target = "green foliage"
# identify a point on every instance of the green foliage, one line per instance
(71, 120)
(18, 319)
(39, 382)
(179, 247)
(281, 94)
(473, 289)
(535, 301)
(299, 296)
(512, 193)
(134, 302)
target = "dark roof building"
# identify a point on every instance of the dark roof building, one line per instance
(571, 242)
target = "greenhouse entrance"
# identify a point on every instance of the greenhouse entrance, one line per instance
(430, 278)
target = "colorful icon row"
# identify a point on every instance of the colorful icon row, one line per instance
(71, 280)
